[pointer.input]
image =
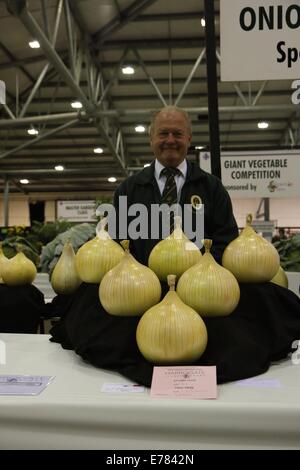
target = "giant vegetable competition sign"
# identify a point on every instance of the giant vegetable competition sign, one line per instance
(259, 39)
(258, 174)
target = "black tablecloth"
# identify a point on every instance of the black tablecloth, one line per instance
(260, 330)
(21, 308)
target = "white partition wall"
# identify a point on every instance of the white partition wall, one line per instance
(18, 211)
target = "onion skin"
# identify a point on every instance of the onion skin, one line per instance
(209, 288)
(96, 257)
(18, 271)
(129, 289)
(64, 278)
(3, 260)
(174, 255)
(171, 333)
(251, 258)
(281, 278)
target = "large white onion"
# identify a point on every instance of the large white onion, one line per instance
(281, 278)
(171, 332)
(64, 278)
(174, 255)
(3, 260)
(130, 288)
(97, 256)
(209, 288)
(250, 257)
(18, 271)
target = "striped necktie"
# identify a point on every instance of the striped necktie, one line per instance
(169, 195)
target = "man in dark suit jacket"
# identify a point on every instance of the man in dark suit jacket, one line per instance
(170, 137)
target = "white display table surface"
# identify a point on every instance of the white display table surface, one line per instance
(73, 413)
(43, 284)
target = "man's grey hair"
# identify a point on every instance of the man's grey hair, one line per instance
(170, 109)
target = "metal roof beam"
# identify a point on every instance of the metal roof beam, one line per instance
(33, 27)
(190, 76)
(8, 123)
(151, 80)
(135, 82)
(45, 69)
(136, 137)
(38, 139)
(9, 112)
(139, 97)
(95, 81)
(184, 43)
(107, 64)
(90, 171)
(19, 8)
(125, 16)
(12, 58)
(182, 16)
(158, 43)
(289, 135)
(22, 122)
(45, 18)
(90, 135)
(19, 186)
(259, 93)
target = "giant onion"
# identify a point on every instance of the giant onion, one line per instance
(171, 332)
(250, 257)
(64, 278)
(18, 271)
(209, 288)
(97, 256)
(130, 288)
(3, 260)
(281, 278)
(174, 255)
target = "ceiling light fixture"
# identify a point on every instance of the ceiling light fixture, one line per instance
(128, 70)
(76, 104)
(59, 167)
(140, 128)
(203, 22)
(262, 125)
(98, 150)
(34, 44)
(147, 164)
(24, 181)
(32, 131)
(199, 147)
(112, 179)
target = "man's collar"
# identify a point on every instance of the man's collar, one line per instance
(146, 176)
(158, 167)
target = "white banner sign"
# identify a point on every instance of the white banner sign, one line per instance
(258, 174)
(76, 211)
(259, 39)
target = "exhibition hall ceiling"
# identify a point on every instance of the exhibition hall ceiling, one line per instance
(84, 45)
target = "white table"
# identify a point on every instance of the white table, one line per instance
(43, 283)
(73, 413)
